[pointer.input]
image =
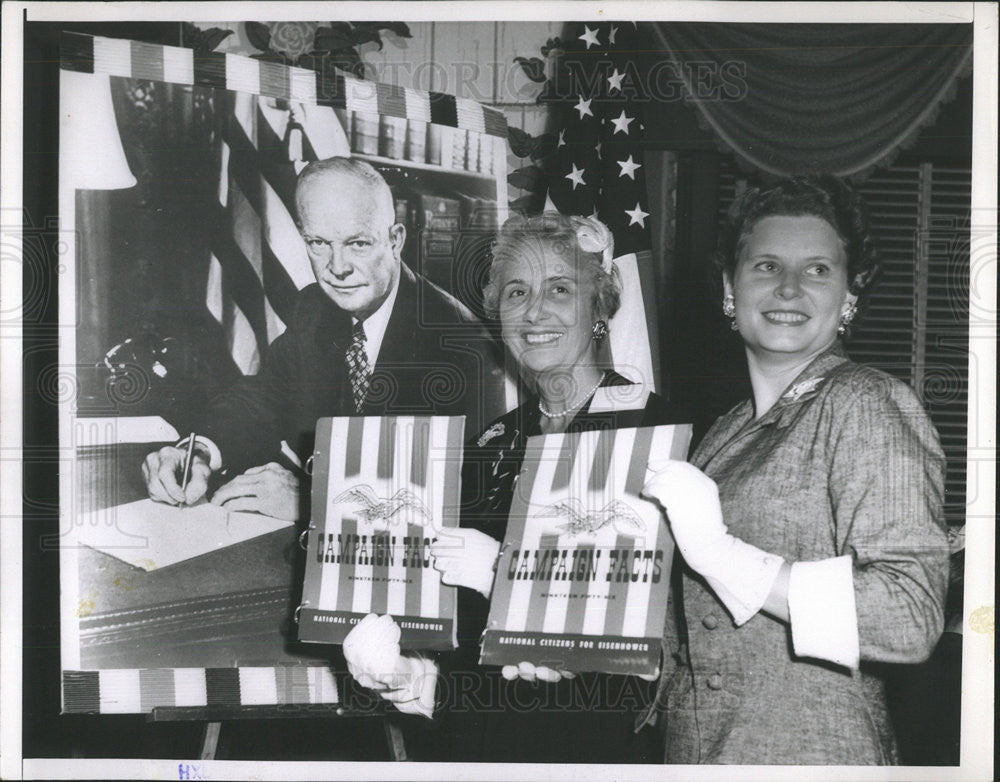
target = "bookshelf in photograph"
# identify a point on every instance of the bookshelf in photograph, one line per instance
(450, 189)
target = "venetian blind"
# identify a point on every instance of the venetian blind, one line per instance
(916, 324)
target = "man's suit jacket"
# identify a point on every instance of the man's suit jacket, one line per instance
(436, 358)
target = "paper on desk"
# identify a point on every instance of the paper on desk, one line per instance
(152, 535)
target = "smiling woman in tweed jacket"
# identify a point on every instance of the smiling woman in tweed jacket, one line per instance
(810, 518)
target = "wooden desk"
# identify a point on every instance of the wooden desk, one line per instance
(231, 607)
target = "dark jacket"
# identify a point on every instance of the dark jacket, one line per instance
(436, 358)
(482, 717)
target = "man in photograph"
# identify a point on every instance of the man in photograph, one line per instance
(370, 337)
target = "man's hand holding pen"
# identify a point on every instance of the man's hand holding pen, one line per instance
(180, 474)
(176, 475)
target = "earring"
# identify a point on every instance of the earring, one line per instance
(846, 317)
(729, 310)
(600, 330)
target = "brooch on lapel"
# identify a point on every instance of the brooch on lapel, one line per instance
(494, 431)
(799, 390)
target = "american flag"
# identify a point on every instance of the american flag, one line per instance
(598, 169)
(382, 486)
(586, 561)
(259, 260)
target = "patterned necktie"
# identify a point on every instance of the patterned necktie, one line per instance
(357, 366)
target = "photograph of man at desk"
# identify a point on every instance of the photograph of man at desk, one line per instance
(193, 492)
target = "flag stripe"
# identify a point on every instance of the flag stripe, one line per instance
(178, 65)
(239, 281)
(147, 61)
(443, 109)
(222, 686)
(421, 451)
(210, 69)
(577, 609)
(565, 461)
(391, 99)
(274, 80)
(156, 688)
(355, 427)
(380, 573)
(614, 620)
(76, 53)
(386, 448)
(414, 588)
(538, 602)
(345, 592)
(603, 452)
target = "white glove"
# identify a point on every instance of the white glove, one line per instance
(741, 575)
(467, 558)
(530, 672)
(374, 660)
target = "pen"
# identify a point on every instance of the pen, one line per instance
(188, 460)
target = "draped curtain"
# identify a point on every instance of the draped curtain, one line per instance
(839, 98)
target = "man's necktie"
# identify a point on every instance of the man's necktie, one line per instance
(357, 366)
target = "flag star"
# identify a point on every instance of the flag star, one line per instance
(611, 35)
(615, 81)
(584, 107)
(597, 148)
(628, 167)
(621, 124)
(637, 215)
(589, 37)
(562, 138)
(575, 176)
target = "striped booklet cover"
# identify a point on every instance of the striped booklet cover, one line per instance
(584, 571)
(380, 489)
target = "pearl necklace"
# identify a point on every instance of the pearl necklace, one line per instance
(549, 414)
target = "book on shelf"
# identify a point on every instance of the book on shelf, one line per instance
(365, 132)
(415, 148)
(391, 136)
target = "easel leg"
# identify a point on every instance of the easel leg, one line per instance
(395, 738)
(210, 743)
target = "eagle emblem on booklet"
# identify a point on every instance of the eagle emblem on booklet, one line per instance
(584, 570)
(381, 489)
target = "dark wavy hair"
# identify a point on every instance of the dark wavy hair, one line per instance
(817, 195)
(554, 231)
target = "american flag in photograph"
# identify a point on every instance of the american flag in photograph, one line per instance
(381, 487)
(598, 170)
(259, 260)
(583, 578)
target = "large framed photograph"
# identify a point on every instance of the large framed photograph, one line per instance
(180, 306)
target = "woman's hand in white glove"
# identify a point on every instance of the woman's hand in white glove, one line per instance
(741, 575)
(374, 660)
(467, 558)
(691, 500)
(530, 673)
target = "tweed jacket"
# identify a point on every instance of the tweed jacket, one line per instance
(845, 463)
(436, 359)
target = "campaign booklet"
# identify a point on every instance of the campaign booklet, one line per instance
(382, 487)
(584, 570)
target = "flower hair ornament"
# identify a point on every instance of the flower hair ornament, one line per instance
(593, 236)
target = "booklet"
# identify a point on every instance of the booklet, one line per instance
(584, 570)
(381, 489)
